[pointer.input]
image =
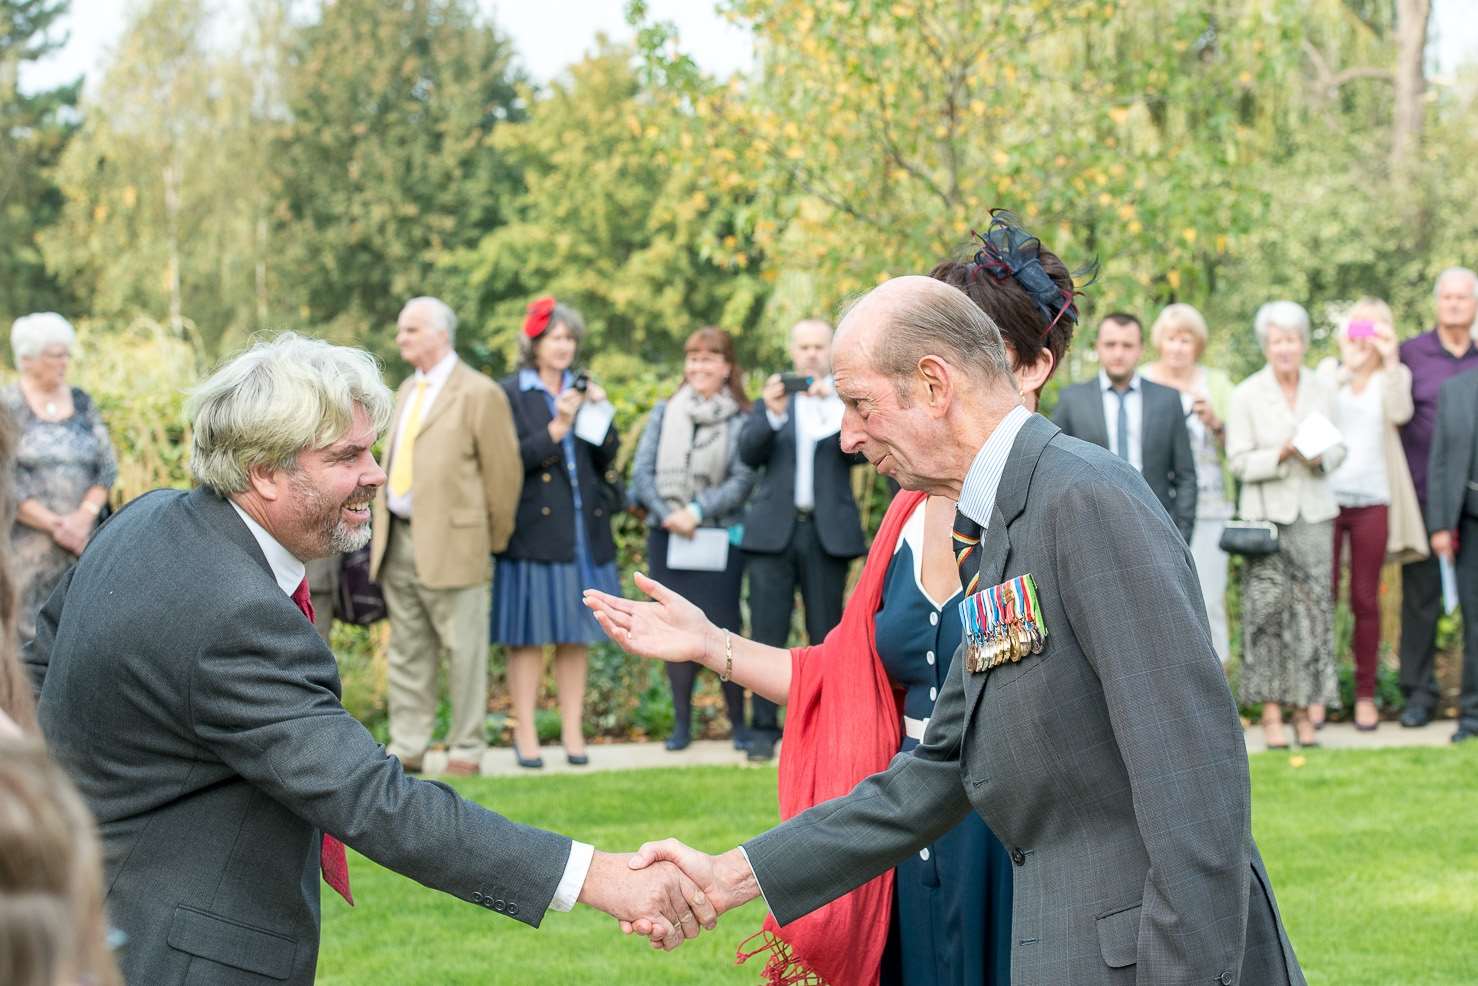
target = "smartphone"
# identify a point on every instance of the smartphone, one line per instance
(581, 381)
(1361, 330)
(796, 383)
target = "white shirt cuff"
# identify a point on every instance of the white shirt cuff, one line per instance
(777, 421)
(756, 879)
(571, 883)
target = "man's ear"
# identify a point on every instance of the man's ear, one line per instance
(267, 482)
(939, 380)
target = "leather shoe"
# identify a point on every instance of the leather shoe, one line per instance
(761, 749)
(578, 759)
(1464, 732)
(1415, 718)
(463, 768)
(678, 741)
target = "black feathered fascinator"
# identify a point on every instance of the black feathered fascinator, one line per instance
(1008, 250)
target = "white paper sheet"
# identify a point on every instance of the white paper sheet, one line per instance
(1449, 585)
(1316, 435)
(706, 551)
(593, 421)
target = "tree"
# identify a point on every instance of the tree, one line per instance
(384, 166)
(164, 182)
(34, 128)
(618, 214)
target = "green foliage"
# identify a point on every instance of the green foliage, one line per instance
(34, 129)
(383, 163)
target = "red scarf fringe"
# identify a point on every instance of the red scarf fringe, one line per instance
(781, 968)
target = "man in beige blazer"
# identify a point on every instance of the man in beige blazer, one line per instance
(454, 480)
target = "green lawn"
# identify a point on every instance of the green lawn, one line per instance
(1373, 854)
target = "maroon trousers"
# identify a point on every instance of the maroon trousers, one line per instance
(1366, 528)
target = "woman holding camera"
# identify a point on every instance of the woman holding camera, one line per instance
(561, 542)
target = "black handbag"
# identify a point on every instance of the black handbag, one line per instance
(1249, 538)
(359, 600)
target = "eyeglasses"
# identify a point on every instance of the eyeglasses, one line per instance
(55, 352)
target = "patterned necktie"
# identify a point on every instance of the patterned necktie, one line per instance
(403, 464)
(1122, 435)
(331, 856)
(966, 538)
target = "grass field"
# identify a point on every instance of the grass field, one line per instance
(1373, 855)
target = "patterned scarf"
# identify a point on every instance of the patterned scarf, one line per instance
(693, 449)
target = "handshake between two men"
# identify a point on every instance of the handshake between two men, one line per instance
(667, 890)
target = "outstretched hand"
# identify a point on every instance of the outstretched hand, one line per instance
(724, 881)
(659, 902)
(669, 628)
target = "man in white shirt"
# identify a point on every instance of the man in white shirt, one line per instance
(184, 688)
(802, 527)
(1137, 420)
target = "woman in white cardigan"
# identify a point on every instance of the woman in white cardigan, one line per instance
(1378, 511)
(1287, 630)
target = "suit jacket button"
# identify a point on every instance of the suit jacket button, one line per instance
(600, 512)
(1225, 979)
(512, 907)
(1018, 857)
(498, 905)
(548, 478)
(476, 898)
(488, 903)
(545, 511)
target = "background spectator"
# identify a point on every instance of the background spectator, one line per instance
(802, 528)
(561, 542)
(454, 469)
(1135, 419)
(1433, 358)
(1287, 631)
(688, 474)
(64, 463)
(1378, 513)
(1179, 335)
(52, 928)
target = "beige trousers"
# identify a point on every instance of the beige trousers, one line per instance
(426, 624)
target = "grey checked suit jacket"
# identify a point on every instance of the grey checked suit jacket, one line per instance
(1169, 466)
(1111, 765)
(199, 713)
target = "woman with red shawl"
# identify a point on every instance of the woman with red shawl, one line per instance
(865, 693)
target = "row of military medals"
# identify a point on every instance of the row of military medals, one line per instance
(1002, 623)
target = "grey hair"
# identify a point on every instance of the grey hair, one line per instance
(562, 315)
(30, 334)
(1283, 314)
(441, 314)
(276, 400)
(940, 321)
(1455, 272)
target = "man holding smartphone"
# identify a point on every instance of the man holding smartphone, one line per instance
(802, 528)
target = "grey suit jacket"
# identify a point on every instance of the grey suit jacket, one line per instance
(1111, 765)
(1165, 443)
(1451, 490)
(199, 714)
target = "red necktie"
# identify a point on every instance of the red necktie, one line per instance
(331, 855)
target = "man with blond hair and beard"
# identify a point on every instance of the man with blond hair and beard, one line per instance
(183, 687)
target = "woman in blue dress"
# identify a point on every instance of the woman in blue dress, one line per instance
(561, 543)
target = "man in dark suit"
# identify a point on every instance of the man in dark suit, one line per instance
(1129, 828)
(183, 687)
(802, 527)
(1452, 520)
(1135, 419)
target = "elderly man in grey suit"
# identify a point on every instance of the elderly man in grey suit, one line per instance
(1109, 759)
(184, 688)
(1134, 418)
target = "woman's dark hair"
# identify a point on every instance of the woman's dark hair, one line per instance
(1024, 326)
(711, 339)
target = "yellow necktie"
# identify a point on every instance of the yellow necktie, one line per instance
(400, 469)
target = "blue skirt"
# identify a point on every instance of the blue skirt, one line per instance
(539, 602)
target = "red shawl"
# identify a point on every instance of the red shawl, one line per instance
(842, 724)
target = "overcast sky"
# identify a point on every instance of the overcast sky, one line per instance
(550, 34)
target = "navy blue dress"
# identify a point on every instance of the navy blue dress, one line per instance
(952, 913)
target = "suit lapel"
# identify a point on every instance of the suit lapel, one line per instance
(1096, 413)
(445, 398)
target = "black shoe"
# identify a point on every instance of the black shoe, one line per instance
(1415, 718)
(678, 741)
(578, 759)
(761, 749)
(1464, 732)
(741, 741)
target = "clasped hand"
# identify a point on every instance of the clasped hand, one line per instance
(657, 901)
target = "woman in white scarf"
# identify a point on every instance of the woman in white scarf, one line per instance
(686, 475)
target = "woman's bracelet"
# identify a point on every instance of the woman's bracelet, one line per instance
(728, 656)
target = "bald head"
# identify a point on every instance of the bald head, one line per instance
(903, 320)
